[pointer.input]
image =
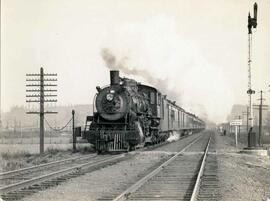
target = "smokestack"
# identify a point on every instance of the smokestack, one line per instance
(114, 77)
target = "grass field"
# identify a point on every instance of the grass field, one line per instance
(18, 156)
(35, 140)
(31, 148)
(18, 153)
(31, 145)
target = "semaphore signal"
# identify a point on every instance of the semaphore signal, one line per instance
(252, 23)
(39, 94)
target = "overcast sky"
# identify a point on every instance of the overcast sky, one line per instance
(199, 48)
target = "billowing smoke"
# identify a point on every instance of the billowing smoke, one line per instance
(121, 64)
(158, 51)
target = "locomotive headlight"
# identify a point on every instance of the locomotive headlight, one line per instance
(109, 97)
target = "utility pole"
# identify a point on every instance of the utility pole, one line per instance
(73, 130)
(252, 23)
(260, 120)
(39, 95)
(260, 108)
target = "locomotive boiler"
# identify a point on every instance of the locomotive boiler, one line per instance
(129, 114)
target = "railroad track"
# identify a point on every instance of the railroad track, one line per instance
(41, 180)
(209, 183)
(14, 176)
(188, 175)
(23, 182)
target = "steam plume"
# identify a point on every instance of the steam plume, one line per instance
(161, 84)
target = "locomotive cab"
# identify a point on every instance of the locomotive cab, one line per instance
(154, 98)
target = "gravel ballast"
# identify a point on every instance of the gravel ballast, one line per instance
(108, 180)
(242, 177)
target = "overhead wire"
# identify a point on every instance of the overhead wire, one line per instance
(57, 129)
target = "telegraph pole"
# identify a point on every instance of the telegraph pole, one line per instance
(261, 107)
(73, 130)
(38, 92)
(252, 23)
(260, 120)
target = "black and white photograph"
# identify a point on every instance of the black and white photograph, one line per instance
(146, 100)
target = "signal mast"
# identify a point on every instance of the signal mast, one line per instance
(252, 23)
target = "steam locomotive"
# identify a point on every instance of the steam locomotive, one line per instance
(129, 114)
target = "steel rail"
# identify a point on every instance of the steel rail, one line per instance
(4, 175)
(40, 179)
(198, 180)
(142, 181)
